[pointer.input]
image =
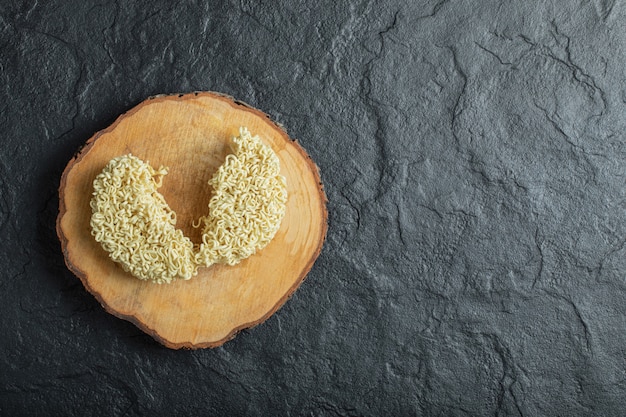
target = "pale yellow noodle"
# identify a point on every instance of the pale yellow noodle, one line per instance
(248, 203)
(134, 224)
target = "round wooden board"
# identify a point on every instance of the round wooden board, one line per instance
(191, 135)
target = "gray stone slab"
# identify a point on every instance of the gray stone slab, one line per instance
(474, 157)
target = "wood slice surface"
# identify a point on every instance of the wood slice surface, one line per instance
(191, 134)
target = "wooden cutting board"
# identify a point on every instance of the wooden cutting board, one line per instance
(191, 135)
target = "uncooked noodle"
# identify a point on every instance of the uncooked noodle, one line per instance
(134, 224)
(248, 203)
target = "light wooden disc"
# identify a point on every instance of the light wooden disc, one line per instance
(191, 135)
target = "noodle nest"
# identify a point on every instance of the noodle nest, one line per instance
(134, 224)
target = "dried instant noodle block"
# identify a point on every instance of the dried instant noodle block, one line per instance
(248, 203)
(134, 224)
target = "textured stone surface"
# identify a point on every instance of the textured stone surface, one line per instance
(474, 156)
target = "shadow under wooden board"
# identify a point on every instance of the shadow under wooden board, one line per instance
(191, 134)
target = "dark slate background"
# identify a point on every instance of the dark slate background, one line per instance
(474, 157)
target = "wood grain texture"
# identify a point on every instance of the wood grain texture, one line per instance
(191, 134)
